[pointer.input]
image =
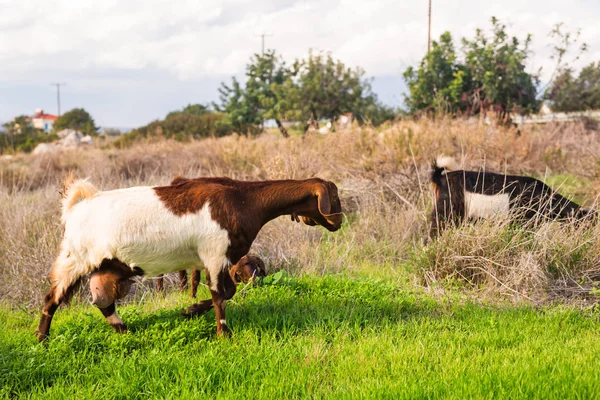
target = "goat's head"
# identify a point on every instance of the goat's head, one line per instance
(586, 214)
(323, 208)
(248, 267)
(109, 283)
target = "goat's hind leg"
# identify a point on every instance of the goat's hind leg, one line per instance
(195, 282)
(203, 306)
(62, 286)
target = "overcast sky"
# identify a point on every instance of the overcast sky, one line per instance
(130, 62)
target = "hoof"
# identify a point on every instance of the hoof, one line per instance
(120, 328)
(197, 309)
(40, 336)
(224, 332)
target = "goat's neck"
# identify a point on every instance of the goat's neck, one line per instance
(282, 198)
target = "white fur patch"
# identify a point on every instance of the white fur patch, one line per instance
(223, 322)
(485, 206)
(134, 226)
(449, 163)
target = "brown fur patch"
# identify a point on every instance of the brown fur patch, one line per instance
(314, 199)
(110, 283)
(248, 267)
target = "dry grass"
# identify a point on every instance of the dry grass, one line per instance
(383, 179)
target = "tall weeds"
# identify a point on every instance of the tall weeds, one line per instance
(383, 179)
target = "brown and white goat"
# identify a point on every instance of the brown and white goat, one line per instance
(463, 195)
(117, 234)
(247, 268)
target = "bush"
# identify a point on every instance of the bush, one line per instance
(21, 136)
(180, 126)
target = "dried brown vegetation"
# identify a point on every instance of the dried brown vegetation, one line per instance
(382, 175)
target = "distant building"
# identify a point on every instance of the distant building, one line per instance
(43, 121)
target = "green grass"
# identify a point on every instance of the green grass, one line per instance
(331, 337)
(571, 186)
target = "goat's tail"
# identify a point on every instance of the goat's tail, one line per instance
(75, 190)
(441, 164)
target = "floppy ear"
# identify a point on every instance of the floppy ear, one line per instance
(324, 205)
(260, 267)
(323, 198)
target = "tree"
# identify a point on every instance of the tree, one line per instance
(311, 89)
(564, 41)
(568, 93)
(490, 72)
(326, 88)
(440, 81)
(265, 72)
(259, 100)
(240, 108)
(497, 66)
(77, 119)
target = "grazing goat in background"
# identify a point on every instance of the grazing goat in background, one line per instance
(115, 235)
(247, 268)
(463, 194)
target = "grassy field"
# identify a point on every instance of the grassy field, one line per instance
(374, 310)
(311, 337)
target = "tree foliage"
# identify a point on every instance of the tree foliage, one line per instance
(315, 88)
(569, 93)
(440, 81)
(490, 71)
(20, 135)
(497, 65)
(78, 119)
(325, 89)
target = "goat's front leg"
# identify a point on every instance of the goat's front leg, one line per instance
(225, 289)
(110, 313)
(222, 288)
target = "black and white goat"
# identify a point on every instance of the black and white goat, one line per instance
(463, 195)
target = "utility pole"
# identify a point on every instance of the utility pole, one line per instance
(263, 35)
(58, 85)
(429, 29)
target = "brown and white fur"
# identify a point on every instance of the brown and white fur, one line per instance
(155, 230)
(249, 267)
(463, 195)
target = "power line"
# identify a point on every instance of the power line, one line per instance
(58, 85)
(263, 35)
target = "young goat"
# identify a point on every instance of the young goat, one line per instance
(248, 267)
(117, 234)
(477, 194)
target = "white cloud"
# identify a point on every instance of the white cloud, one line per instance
(193, 40)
